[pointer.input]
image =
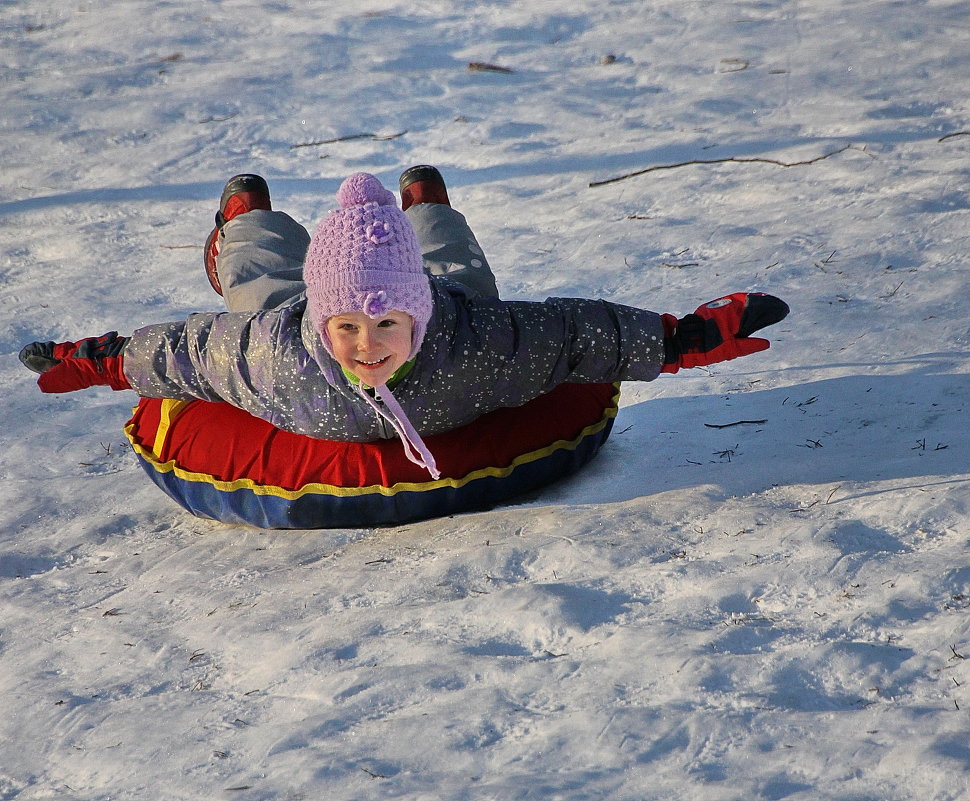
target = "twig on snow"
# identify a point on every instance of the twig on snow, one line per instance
(733, 65)
(373, 774)
(735, 159)
(481, 66)
(895, 290)
(218, 119)
(377, 137)
(680, 266)
(951, 135)
(736, 423)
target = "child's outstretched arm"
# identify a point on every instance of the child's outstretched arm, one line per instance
(720, 330)
(67, 366)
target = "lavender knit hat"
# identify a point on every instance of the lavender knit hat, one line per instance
(364, 257)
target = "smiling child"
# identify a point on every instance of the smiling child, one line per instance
(321, 329)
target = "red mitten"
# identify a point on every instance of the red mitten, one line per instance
(67, 366)
(720, 330)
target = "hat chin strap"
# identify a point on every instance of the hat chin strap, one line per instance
(410, 438)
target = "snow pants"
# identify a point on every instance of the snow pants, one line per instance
(260, 262)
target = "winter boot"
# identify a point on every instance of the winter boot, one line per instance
(241, 193)
(422, 184)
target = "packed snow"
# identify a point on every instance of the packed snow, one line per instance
(715, 609)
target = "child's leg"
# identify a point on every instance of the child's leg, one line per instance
(260, 262)
(450, 249)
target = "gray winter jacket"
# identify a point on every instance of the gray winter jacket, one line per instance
(478, 355)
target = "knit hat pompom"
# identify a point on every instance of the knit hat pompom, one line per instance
(362, 188)
(364, 257)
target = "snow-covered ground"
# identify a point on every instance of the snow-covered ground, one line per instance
(771, 611)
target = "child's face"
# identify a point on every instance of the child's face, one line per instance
(371, 348)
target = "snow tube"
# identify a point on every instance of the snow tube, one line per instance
(219, 462)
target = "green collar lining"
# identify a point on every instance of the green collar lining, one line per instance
(392, 382)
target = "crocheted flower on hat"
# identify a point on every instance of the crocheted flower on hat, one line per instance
(379, 232)
(375, 304)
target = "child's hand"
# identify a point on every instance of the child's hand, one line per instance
(67, 366)
(720, 330)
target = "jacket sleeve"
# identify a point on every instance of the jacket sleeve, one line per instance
(216, 357)
(610, 341)
(493, 353)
